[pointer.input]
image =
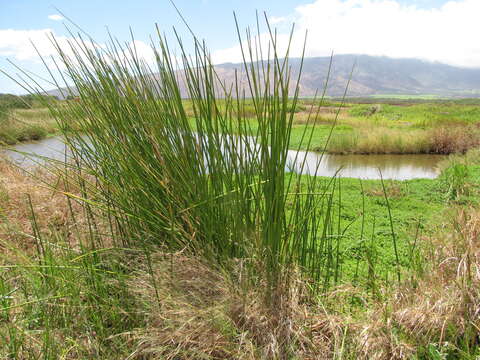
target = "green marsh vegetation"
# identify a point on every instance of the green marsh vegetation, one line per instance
(24, 118)
(179, 240)
(363, 125)
(409, 128)
(381, 126)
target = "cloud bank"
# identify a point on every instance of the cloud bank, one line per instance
(382, 27)
(22, 45)
(375, 27)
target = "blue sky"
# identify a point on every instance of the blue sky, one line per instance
(212, 20)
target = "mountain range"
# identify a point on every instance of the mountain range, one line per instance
(371, 75)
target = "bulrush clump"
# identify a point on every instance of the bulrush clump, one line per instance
(194, 243)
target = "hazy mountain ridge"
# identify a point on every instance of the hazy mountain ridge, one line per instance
(372, 75)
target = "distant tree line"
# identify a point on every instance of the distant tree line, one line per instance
(10, 101)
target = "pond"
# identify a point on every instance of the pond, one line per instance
(398, 167)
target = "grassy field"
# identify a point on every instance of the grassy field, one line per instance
(168, 238)
(22, 125)
(412, 127)
(441, 127)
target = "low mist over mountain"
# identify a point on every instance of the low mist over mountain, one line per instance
(372, 75)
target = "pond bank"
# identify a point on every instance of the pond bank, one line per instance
(25, 125)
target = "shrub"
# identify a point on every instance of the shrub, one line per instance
(453, 139)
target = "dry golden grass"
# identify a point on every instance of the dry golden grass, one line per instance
(200, 313)
(377, 340)
(187, 318)
(326, 115)
(50, 205)
(446, 301)
(441, 306)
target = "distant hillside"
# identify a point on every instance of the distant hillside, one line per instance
(382, 75)
(373, 75)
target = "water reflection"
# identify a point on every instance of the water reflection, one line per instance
(28, 154)
(400, 167)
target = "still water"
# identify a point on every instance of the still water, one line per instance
(399, 167)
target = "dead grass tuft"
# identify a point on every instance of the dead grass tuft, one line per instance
(393, 189)
(377, 341)
(50, 205)
(454, 139)
(186, 313)
(446, 301)
(201, 314)
(440, 306)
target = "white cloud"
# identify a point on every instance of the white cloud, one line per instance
(384, 27)
(273, 20)
(143, 51)
(19, 45)
(31, 45)
(56, 17)
(234, 53)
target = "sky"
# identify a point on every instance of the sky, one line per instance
(433, 30)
